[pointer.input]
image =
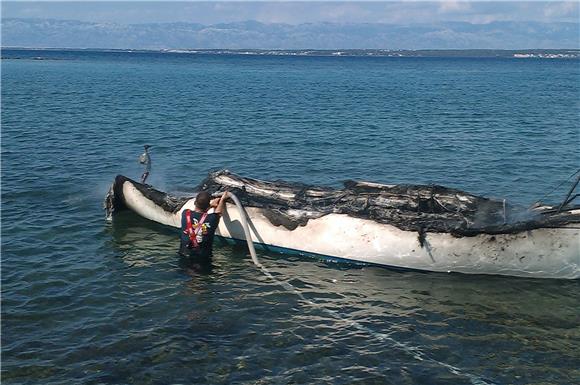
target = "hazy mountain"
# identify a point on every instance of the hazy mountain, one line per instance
(251, 34)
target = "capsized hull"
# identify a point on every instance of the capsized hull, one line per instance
(542, 252)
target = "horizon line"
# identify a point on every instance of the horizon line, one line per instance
(2, 17)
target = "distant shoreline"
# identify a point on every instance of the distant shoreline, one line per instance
(442, 53)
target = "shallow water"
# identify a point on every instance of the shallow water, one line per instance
(85, 301)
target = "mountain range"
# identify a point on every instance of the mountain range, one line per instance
(42, 33)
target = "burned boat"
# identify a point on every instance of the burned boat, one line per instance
(421, 227)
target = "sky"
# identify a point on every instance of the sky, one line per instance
(295, 12)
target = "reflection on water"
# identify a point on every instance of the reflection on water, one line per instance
(481, 324)
(196, 266)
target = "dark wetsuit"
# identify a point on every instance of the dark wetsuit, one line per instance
(205, 235)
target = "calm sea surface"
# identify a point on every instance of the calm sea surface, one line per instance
(84, 301)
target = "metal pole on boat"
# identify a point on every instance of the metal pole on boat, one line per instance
(566, 201)
(539, 201)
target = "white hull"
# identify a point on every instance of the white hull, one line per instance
(541, 253)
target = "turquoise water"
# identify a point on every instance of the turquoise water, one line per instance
(88, 302)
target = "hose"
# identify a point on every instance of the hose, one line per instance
(415, 352)
(244, 220)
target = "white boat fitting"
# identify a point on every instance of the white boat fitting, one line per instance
(418, 227)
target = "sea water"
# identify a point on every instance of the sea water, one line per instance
(86, 301)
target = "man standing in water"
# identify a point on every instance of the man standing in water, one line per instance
(146, 160)
(198, 226)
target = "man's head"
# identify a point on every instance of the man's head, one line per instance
(147, 146)
(202, 200)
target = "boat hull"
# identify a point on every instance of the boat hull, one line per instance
(540, 253)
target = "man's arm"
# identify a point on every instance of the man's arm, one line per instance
(221, 204)
(214, 202)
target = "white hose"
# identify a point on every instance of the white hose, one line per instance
(244, 219)
(415, 352)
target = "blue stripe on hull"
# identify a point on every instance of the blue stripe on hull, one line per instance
(302, 253)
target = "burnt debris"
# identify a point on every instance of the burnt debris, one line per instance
(421, 208)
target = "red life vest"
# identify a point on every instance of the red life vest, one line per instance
(191, 230)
